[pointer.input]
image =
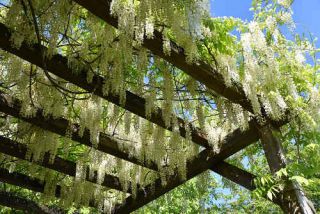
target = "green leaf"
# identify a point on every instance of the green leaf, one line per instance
(301, 180)
(270, 195)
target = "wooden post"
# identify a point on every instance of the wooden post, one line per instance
(292, 198)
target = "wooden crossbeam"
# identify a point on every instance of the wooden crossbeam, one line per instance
(231, 144)
(16, 202)
(23, 181)
(243, 178)
(233, 173)
(26, 182)
(18, 150)
(12, 106)
(199, 71)
(58, 65)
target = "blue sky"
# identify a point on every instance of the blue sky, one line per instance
(306, 13)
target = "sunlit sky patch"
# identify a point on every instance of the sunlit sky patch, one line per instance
(306, 13)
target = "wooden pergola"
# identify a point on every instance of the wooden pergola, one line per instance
(291, 200)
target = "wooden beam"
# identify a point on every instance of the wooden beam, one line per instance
(292, 198)
(26, 182)
(234, 174)
(60, 126)
(23, 181)
(199, 71)
(16, 202)
(58, 65)
(241, 177)
(232, 143)
(18, 150)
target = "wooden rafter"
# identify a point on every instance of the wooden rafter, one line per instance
(199, 71)
(23, 181)
(60, 126)
(18, 150)
(26, 182)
